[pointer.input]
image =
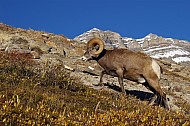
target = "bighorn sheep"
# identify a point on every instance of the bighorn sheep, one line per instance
(123, 63)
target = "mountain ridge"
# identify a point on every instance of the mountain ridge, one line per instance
(150, 35)
(174, 50)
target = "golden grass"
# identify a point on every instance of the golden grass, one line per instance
(30, 95)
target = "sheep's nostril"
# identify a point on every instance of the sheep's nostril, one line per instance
(84, 58)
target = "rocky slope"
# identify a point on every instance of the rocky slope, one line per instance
(58, 49)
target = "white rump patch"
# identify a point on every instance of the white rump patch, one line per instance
(156, 68)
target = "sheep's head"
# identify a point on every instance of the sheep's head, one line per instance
(94, 47)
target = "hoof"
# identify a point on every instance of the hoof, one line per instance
(151, 102)
(166, 104)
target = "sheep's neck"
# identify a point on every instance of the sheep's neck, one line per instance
(100, 55)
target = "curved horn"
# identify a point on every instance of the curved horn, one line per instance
(96, 41)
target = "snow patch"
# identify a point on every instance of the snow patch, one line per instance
(161, 48)
(170, 39)
(171, 53)
(127, 39)
(140, 40)
(181, 59)
(148, 37)
(94, 30)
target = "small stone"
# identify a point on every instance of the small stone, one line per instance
(35, 54)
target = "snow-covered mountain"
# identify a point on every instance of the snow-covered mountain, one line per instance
(177, 51)
(112, 39)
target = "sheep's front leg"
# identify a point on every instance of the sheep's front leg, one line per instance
(151, 102)
(120, 79)
(101, 76)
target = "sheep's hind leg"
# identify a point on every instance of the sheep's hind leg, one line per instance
(155, 87)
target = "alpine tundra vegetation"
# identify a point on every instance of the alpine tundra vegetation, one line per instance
(43, 81)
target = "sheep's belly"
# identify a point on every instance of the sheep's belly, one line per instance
(133, 76)
(128, 75)
(136, 79)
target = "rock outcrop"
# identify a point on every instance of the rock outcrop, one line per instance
(42, 46)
